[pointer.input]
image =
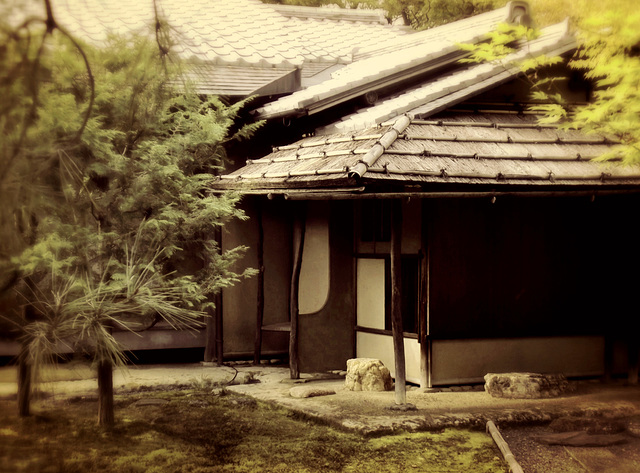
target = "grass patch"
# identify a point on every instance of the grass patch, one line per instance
(196, 432)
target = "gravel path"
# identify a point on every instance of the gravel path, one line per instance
(535, 457)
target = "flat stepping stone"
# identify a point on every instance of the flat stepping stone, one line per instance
(582, 439)
(150, 402)
(301, 392)
(592, 425)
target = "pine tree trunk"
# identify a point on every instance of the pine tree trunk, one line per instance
(24, 387)
(106, 416)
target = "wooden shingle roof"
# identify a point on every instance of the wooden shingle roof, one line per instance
(495, 149)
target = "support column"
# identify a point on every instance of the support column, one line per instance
(633, 355)
(425, 348)
(299, 224)
(260, 299)
(396, 302)
(217, 300)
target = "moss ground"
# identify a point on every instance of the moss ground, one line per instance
(195, 431)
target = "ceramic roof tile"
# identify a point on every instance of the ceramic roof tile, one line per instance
(208, 29)
(453, 88)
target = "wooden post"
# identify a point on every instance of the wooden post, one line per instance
(425, 381)
(396, 301)
(219, 342)
(213, 342)
(260, 302)
(209, 347)
(608, 358)
(299, 224)
(24, 384)
(633, 352)
(106, 416)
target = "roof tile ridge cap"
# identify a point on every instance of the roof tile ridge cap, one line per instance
(542, 43)
(385, 141)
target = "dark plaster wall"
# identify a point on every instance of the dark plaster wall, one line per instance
(531, 267)
(327, 337)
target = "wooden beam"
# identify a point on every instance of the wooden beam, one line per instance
(299, 224)
(396, 302)
(329, 195)
(260, 302)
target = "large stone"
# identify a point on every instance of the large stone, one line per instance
(367, 374)
(525, 385)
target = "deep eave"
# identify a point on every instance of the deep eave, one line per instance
(458, 152)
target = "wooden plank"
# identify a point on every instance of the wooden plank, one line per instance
(299, 224)
(396, 302)
(281, 327)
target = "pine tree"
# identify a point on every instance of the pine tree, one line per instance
(106, 222)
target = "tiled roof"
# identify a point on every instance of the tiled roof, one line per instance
(453, 88)
(242, 81)
(244, 33)
(500, 150)
(388, 61)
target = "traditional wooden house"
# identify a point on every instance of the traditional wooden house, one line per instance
(426, 203)
(233, 49)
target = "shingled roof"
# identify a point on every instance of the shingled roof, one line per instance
(495, 149)
(233, 35)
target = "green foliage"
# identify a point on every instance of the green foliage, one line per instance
(499, 44)
(104, 170)
(422, 14)
(419, 14)
(608, 55)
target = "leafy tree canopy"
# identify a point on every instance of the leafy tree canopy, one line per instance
(608, 55)
(106, 221)
(418, 14)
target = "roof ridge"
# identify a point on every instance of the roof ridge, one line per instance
(442, 89)
(357, 14)
(380, 147)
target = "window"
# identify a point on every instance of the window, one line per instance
(375, 221)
